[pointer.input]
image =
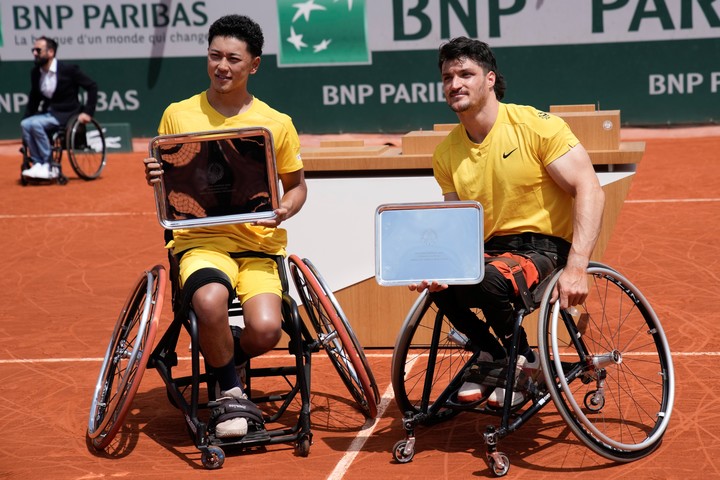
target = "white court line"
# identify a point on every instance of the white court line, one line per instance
(70, 215)
(284, 355)
(120, 214)
(356, 446)
(675, 200)
(100, 359)
(368, 428)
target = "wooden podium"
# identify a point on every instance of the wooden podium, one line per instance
(376, 313)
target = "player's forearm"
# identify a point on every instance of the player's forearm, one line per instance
(294, 199)
(587, 222)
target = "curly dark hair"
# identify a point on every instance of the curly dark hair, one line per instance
(240, 27)
(477, 51)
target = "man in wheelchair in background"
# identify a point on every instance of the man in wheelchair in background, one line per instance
(53, 99)
(542, 203)
(212, 267)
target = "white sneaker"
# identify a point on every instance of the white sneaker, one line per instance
(234, 427)
(530, 369)
(497, 398)
(28, 170)
(471, 392)
(42, 172)
(32, 171)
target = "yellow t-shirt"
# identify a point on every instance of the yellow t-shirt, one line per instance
(506, 172)
(196, 115)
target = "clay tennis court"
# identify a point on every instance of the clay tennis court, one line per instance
(71, 253)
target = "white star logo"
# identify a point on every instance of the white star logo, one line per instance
(304, 9)
(322, 45)
(296, 39)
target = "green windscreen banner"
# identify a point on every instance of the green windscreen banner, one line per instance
(371, 65)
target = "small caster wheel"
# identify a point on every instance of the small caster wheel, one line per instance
(302, 447)
(499, 464)
(213, 458)
(62, 180)
(593, 402)
(402, 454)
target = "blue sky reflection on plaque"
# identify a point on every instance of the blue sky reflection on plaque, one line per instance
(429, 241)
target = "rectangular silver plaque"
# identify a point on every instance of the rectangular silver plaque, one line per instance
(440, 241)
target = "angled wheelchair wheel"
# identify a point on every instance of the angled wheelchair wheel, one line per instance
(85, 144)
(428, 358)
(335, 335)
(56, 148)
(126, 357)
(608, 367)
(56, 157)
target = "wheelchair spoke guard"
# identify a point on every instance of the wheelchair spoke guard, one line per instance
(335, 335)
(126, 357)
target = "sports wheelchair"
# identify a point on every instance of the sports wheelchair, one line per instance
(130, 351)
(606, 366)
(85, 147)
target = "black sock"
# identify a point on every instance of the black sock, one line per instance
(226, 376)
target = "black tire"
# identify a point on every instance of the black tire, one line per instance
(335, 335)
(213, 458)
(401, 454)
(618, 360)
(126, 357)
(501, 466)
(86, 149)
(302, 447)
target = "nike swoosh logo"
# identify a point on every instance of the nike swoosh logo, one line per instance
(505, 155)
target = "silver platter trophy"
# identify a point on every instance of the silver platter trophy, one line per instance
(215, 177)
(440, 241)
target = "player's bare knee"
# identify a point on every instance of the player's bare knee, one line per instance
(262, 336)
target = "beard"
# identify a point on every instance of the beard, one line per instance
(41, 61)
(459, 106)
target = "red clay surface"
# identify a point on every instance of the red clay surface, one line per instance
(71, 254)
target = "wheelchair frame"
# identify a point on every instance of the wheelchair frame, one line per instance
(606, 366)
(87, 162)
(129, 352)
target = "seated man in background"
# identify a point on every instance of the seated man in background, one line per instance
(53, 99)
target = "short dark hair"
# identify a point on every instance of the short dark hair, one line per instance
(240, 27)
(477, 51)
(50, 43)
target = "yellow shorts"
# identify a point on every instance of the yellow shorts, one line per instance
(250, 276)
